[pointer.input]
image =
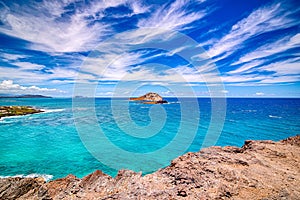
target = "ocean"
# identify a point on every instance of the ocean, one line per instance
(111, 134)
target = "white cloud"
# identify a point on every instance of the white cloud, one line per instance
(40, 24)
(262, 20)
(11, 57)
(9, 87)
(246, 67)
(30, 74)
(28, 66)
(24, 75)
(176, 50)
(173, 17)
(286, 67)
(115, 59)
(273, 48)
(47, 31)
(259, 93)
(280, 72)
(138, 8)
(61, 73)
(242, 78)
(105, 94)
(168, 93)
(112, 65)
(279, 80)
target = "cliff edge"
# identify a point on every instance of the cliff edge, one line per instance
(258, 170)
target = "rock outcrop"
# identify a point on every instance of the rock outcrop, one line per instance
(149, 98)
(258, 170)
(6, 111)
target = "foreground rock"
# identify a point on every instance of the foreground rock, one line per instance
(149, 98)
(6, 111)
(258, 170)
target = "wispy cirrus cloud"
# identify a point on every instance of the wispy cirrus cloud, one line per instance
(138, 8)
(49, 43)
(246, 67)
(41, 26)
(285, 71)
(32, 73)
(50, 27)
(264, 19)
(173, 17)
(11, 56)
(286, 67)
(271, 49)
(269, 80)
(76, 32)
(28, 66)
(268, 63)
(114, 61)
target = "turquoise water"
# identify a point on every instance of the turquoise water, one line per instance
(48, 143)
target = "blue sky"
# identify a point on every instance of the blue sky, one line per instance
(249, 48)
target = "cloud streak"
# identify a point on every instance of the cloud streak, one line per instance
(48, 43)
(8, 86)
(43, 26)
(173, 17)
(264, 19)
(271, 49)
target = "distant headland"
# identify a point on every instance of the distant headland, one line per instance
(25, 96)
(149, 98)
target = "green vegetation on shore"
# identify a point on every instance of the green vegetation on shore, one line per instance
(6, 111)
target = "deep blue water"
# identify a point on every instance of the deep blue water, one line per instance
(49, 143)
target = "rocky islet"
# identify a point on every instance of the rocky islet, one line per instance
(149, 98)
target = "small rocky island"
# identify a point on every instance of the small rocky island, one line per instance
(258, 170)
(149, 98)
(7, 111)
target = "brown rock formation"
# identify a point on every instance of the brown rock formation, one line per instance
(149, 98)
(6, 111)
(258, 170)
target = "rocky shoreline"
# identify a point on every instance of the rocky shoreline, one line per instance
(258, 170)
(8, 111)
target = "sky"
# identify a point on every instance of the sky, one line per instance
(105, 48)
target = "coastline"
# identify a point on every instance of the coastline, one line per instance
(13, 111)
(257, 170)
(44, 111)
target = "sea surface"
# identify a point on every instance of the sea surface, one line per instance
(54, 143)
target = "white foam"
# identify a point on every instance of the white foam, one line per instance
(173, 102)
(273, 116)
(11, 117)
(249, 110)
(46, 177)
(52, 110)
(21, 116)
(44, 111)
